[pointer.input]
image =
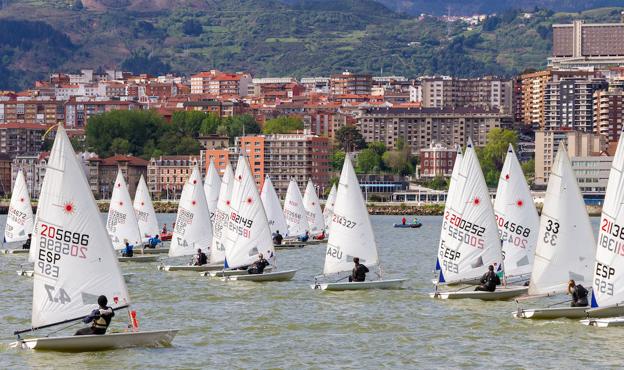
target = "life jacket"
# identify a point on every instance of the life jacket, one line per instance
(203, 259)
(103, 321)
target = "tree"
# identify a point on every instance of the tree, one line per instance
(337, 159)
(239, 125)
(368, 161)
(210, 124)
(192, 27)
(492, 155)
(528, 168)
(188, 123)
(350, 138)
(398, 162)
(283, 125)
(378, 147)
(120, 146)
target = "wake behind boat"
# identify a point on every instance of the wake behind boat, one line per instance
(67, 285)
(351, 238)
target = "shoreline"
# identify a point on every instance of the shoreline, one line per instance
(388, 209)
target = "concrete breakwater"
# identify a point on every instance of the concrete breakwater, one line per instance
(373, 208)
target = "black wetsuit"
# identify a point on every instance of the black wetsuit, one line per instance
(277, 239)
(489, 281)
(26, 244)
(201, 259)
(101, 321)
(258, 266)
(579, 296)
(359, 273)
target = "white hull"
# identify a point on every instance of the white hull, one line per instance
(289, 246)
(15, 251)
(82, 343)
(192, 268)
(136, 258)
(222, 273)
(551, 313)
(363, 285)
(607, 311)
(27, 273)
(309, 242)
(267, 276)
(604, 323)
(498, 295)
(151, 251)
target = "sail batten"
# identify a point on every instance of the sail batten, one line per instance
(78, 262)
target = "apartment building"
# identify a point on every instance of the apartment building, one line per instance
(166, 175)
(578, 144)
(569, 103)
(592, 175)
(288, 156)
(491, 93)
(33, 166)
(18, 139)
(348, 83)
(421, 127)
(608, 113)
(42, 110)
(78, 110)
(103, 173)
(218, 83)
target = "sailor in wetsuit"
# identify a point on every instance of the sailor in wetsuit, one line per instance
(277, 238)
(579, 294)
(26, 244)
(359, 271)
(200, 258)
(259, 265)
(489, 281)
(101, 318)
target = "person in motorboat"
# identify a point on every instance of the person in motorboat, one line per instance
(153, 242)
(164, 229)
(128, 251)
(259, 265)
(579, 294)
(320, 236)
(358, 274)
(403, 220)
(304, 237)
(26, 244)
(200, 258)
(416, 222)
(277, 238)
(100, 317)
(489, 281)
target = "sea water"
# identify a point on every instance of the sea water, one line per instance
(288, 325)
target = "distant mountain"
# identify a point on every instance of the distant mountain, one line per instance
(470, 7)
(266, 37)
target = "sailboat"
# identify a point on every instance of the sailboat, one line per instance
(273, 208)
(313, 210)
(329, 207)
(222, 214)
(608, 285)
(212, 187)
(248, 233)
(469, 239)
(19, 221)
(565, 245)
(67, 283)
(122, 224)
(294, 211)
(517, 220)
(352, 236)
(146, 217)
(193, 229)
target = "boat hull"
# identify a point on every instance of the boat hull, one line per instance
(84, 343)
(265, 277)
(604, 322)
(500, 294)
(364, 285)
(191, 268)
(289, 246)
(607, 311)
(551, 313)
(148, 258)
(27, 273)
(152, 251)
(408, 226)
(222, 273)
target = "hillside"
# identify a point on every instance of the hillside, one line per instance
(266, 37)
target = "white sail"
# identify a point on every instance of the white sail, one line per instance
(351, 230)
(329, 206)
(516, 218)
(193, 229)
(294, 211)
(212, 186)
(144, 211)
(19, 221)
(608, 282)
(248, 227)
(451, 193)
(469, 240)
(273, 208)
(77, 263)
(219, 225)
(122, 224)
(565, 245)
(313, 210)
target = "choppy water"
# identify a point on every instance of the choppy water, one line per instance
(288, 325)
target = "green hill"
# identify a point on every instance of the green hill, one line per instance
(266, 37)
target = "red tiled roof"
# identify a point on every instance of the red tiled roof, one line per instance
(111, 161)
